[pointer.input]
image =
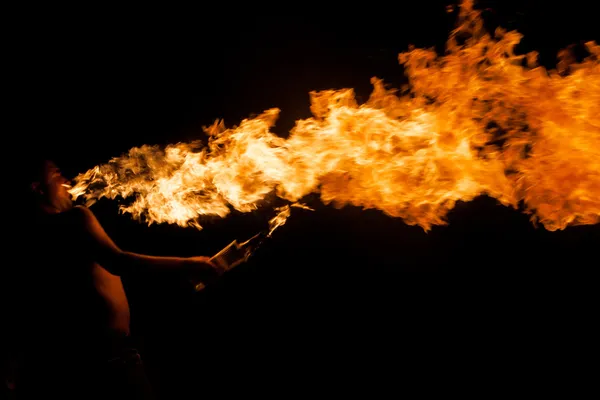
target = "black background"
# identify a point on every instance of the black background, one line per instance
(94, 82)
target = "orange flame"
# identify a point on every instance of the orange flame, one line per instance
(479, 120)
(283, 213)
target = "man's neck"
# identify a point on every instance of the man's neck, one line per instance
(48, 208)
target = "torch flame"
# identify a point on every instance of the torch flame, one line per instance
(479, 120)
(283, 213)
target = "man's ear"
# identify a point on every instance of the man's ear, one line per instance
(36, 188)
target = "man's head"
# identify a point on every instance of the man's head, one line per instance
(48, 186)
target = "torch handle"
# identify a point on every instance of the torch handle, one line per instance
(233, 255)
(199, 285)
(216, 259)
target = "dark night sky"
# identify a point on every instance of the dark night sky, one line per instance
(95, 83)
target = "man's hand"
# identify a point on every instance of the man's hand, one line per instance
(202, 268)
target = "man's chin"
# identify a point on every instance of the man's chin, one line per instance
(66, 204)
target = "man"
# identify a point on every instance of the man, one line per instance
(73, 307)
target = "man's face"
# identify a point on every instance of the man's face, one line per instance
(55, 187)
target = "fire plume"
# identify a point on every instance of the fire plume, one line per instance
(479, 120)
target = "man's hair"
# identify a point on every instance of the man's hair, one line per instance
(37, 155)
(29, 173)
(33, 168)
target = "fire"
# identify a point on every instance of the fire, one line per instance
(283, 213)
(479, 120)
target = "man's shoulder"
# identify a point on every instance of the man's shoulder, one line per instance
(79, 210)
(66, 225)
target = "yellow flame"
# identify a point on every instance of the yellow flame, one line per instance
(479, 120)
(303, 206)
(283, 213)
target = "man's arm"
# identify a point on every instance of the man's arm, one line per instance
(116, 261)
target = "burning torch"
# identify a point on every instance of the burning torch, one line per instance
(235, 254)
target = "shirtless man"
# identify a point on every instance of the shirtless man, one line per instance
(76, 313)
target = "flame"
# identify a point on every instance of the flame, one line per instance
(479, 120)
(283, 213)
(303, 206)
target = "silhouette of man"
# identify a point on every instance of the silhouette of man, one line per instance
(74, 314)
